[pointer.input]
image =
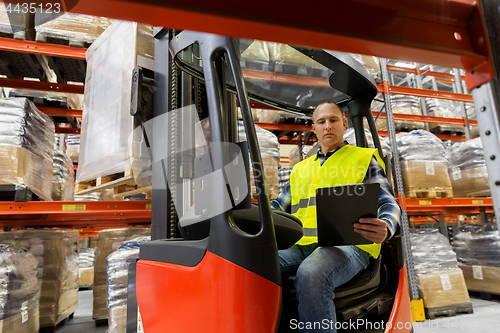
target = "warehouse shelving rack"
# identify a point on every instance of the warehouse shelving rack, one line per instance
(456, 34)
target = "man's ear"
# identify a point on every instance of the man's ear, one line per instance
(344, 121)
(314, 129)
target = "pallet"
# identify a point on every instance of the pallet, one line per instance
(448, 131)
(485, 295)
(428, 192)
(18, 193)
(449, 310)
(101, 322)
(123, 184)
(81, 288)
(53, 328)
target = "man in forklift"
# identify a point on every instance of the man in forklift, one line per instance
(319, 270)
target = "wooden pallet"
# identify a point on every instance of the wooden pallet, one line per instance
(123, 184)
(428, 192)
(448, 131)
(53, 328)
(449, 310)
(485, 295)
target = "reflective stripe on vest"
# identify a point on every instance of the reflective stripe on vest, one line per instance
(348, 165)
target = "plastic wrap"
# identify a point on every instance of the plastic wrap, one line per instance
(64, 100)
(478, 245)
(73, 147)
(423, 164)
(63, 181)
(86, 271)
(420, 145)
(69, 26)
(26, 146)
(440, 281)
(403, 105)
(108, 145)
(467, 169)
(371, 63)
(270, 152)
(350, 137)
(478, 252)
(57, 269)
(446, 109)
(96, 196)
(118, 282)
(108, 242)
(294, 154)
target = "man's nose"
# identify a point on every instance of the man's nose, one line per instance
(328, 124)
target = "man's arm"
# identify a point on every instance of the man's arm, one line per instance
(284, 200)
(389, 212)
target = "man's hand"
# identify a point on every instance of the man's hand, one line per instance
(372, 229)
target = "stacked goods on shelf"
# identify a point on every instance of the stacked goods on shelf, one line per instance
(68, 26)
(73, 147)
(19, 290)
(270, 152)
(478, 252)
(86, 257)
(440, 282)
(371, 64)
(118, 265)
(467, 169)
(108, 241)
(15, 24)
(423, 165)
(294, 155)
(350, 137)
(26, 146)
(471, 114)
(63, 180)
(88, 197)
(445, 109)
(57, 258)
(109, 144)
(404, 105)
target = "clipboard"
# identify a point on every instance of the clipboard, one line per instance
(339, 207)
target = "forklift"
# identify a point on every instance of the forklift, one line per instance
(212, 264)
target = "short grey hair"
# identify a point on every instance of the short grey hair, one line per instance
(325, 103)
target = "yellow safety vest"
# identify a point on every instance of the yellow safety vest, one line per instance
(348, 165)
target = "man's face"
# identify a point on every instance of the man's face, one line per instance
(329, 126)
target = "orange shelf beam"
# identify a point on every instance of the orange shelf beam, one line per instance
(26, 46)
(427, 119)
(421, 72)
(448, 206)
(426, 93)
(441, 136)
(295, 141)
(67, 130)
(74, 213)
(60, 112)
(44, 86)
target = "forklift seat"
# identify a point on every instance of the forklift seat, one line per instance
(287, 227)
(352, 299)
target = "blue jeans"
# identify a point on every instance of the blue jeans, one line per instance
(319, 270)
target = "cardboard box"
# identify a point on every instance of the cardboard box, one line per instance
(470, 183)
(443, 288)
(426, 174)
(26, 321)
(482, 278)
